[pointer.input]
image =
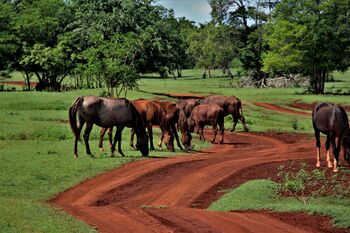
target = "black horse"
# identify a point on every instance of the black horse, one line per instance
(106, 113)
(332, 120)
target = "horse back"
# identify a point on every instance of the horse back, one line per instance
(330, 118)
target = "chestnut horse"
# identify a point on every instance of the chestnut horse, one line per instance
(106, 113)
(207, 114)
(331, 120)
(231, 105)
(153, 114)
(172, 115)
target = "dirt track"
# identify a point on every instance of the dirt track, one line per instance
(156, 194)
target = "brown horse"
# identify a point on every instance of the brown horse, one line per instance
(207, 114)
(172, 115)
(185, 108)
(331, 120)
(231, 105)
(153, 114)
(106, 113)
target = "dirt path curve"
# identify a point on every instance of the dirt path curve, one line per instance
(156, 194)
(278, 108)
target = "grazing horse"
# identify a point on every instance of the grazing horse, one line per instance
(187, 105)
(153, 114)
(331, 120)
(185, 108)
(172, 115)
(106, 113)
(207, 114)
(231, 105)
(186, 136)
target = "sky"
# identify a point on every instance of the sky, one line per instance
(195, 10)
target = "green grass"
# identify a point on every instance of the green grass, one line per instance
(262, 195)
(36, 159)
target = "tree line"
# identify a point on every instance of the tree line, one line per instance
(110, 43)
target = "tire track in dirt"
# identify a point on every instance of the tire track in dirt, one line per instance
(156, 195)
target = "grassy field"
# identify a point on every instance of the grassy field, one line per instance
(261, 195)
(36, 159)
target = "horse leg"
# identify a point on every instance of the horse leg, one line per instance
(132, 134)
(242, 119)
(234, 122)
(102, 134)
(201, 127)
(87, 131)
(222, 130)
(118, 135)
(335, 153)
(173, 128)
(215, 131)
(80, 123)
(150, 134)
(318, 145)
(110, 133)
(161, 140)
(328, 145)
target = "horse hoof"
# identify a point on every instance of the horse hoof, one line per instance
(221, 142)
(330, 165)
(335, 170)
(318, 164)
(101, 149)
(75, 156)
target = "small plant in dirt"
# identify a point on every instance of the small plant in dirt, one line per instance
(304, 184)
(295, 124)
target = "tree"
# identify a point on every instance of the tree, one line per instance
(212, 47)
(309, 37)
(247, 18)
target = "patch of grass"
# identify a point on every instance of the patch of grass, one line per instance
(262, 195)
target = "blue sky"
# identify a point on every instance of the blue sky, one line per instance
(195, 10)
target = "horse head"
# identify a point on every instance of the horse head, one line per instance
(142, 144)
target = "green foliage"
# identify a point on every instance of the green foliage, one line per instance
(262, 195)
(304, 184)
(309, 37)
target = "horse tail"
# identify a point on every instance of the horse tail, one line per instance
(72, 112)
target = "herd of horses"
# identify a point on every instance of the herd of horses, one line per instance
(188, 116)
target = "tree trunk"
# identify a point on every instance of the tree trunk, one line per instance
(179, 73)
(318, 81)
(209, 74)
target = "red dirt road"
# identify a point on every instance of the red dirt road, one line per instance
(156, 194)
(282, 109)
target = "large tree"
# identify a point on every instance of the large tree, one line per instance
(311, 37)
(247, 18)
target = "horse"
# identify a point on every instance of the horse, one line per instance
(106, 113)
(186, 136)
(185, 108)
(172, 115)
(207, 114)
(231, 105)
(331, 120)
(187, 105)
(153, 114)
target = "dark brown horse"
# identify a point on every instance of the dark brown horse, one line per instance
(153, 114)
(331, 120)
(172, 116)
(231, 105)
(207, 114)
(106, 113)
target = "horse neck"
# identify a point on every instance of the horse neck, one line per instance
(140, 129)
